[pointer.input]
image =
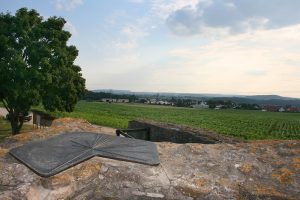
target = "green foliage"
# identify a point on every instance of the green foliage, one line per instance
(36, 65)
(244, 124)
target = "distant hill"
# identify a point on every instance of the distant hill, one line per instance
(174, 94)
(279, 102)
(113, 91)
(249, 99)
(269, 97)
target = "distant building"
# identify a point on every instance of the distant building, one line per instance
(152, 101)
(271, 108)
(156, 102)
(281, 109)
(123, 100)
(163, 103)
(110, 100)
(218, 107)
(256, 107)
(236, 106)
(201, 105)
(293, 109)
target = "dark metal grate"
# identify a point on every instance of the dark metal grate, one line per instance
(55, 154)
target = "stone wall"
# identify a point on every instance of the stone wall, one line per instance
(165, 132)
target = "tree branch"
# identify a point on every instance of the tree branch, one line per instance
(5, 105)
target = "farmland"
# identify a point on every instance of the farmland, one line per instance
(249, 125)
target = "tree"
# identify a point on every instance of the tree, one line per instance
(37, 65)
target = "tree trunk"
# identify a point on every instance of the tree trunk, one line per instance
(15, 122)
(14, 126)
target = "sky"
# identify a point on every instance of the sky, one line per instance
(246, 47)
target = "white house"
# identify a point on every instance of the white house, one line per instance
(201, 105)
(110, 100)
(123, 100)
(218, 107)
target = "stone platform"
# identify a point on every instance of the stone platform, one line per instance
(254, 170)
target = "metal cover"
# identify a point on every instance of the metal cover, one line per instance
(55, 154)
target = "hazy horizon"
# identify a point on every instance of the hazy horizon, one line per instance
(248, 47)
(199, 93)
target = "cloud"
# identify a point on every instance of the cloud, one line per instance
(233, 16)
(136, 1)
(71, 28)
(133, 32)
(67, 5)
(266, 61)
(121, 45)
(164, 8)
(257, 72)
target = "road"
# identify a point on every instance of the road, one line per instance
(3, 112)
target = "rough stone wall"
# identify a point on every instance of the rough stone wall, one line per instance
(165, 132)
(254, 170)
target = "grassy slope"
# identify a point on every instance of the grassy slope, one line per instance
(244, 124)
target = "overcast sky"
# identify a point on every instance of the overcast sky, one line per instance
(197, 46)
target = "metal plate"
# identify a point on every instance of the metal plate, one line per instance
(55, 154)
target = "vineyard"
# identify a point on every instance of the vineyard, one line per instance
(248, 125)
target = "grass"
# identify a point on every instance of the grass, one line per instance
(249, 125)
(5, 129)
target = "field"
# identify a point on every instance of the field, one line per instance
(248, 125)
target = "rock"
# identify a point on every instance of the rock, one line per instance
(3, 152)
(57, 181)
(86, 171)
(255, 170)
(148, 194)
(101, 177)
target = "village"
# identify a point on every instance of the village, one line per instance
(209, 104)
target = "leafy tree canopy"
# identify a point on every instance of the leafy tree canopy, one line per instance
(37, 65)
